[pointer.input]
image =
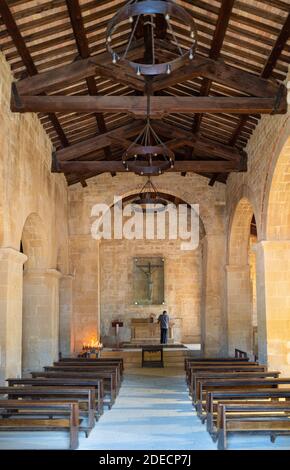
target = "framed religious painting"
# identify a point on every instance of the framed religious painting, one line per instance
(148, 281)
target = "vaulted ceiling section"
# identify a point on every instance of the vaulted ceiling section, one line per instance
(205, 111)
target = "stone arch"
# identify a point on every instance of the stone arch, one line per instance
(34, 243)
(277, 217)
(239, 285)
(109, 251)
(40, 298)
(274, 260)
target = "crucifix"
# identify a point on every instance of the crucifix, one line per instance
(148, 269)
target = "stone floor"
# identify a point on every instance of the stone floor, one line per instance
(152, 412)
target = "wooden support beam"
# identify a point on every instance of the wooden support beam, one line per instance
(160, 105)
(268, 69)
(217, 42)
(200, 143)
(218, 71)
(202, 166)
(77, 23)
(25, 55)
(81, 69)
(96, 143)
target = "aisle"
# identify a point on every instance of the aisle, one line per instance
(152, 412)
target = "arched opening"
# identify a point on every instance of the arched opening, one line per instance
(40, 298)
(274, 266)
(182, 282)
(241, 280)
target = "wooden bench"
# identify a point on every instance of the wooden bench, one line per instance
(88, 360)
(97, 384)
(39, 424)
(204, 385)
(92, 368)
(269, 418)
(223, 368)
(108, 378)
(195, 376)
(213, 359)
(86, 397)
(215, 397)
(99, 364)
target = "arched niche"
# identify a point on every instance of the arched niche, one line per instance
(115, 286)
(241, 278)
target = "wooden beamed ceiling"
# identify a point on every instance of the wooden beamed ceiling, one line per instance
(206, 111)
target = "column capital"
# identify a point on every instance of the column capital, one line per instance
(43, 272)
(11, 254)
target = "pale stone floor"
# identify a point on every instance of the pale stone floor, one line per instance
(152, 412)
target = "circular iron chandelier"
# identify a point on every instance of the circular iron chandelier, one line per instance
(146, 12)
(148, 155)
(149, 199)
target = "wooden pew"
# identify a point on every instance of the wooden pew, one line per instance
(109, 380)
(213, 398)
(100, 364)
(223, 368)
(40, 424)
(91, 368)
(85, 396)
(204, 385)
(97, 384)
(195, 376)
(269, 417)
(89, 360)
(213, 359)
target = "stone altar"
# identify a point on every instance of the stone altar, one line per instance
(145, 331)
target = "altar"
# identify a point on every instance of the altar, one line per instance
(145, 331)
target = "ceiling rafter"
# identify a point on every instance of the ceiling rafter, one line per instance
(267, 70)
(24, 53)
(75, 14)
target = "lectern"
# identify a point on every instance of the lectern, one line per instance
(117, 325)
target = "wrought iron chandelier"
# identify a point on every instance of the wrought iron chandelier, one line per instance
(145, 13)
(148, 155)
(149, 199)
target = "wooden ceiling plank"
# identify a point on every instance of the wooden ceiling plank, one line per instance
(267, 70)
(217, 43)
(24, 53)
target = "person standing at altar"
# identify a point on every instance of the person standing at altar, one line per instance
(163, 321)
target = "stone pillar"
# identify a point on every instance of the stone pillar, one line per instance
(273, 304)
(239, 308)
(40, 340)
(213, 324)
(66, 345)
(84, 257)
(11, 279)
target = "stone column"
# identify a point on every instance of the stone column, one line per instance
(11, 279)
(239, 308)
(40, 318)
(273, 304)
(66, 345)
(213, 324)
(84, 257)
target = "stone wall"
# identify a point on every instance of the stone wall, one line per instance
(90, 305)
(28, 192)
(265, 189)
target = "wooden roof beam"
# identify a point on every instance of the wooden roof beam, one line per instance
(202, 166)
(24, 53)
(77, 23)
(160, 105)
(268, 69)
